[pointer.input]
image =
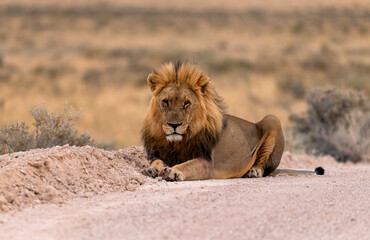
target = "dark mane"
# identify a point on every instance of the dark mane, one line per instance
(207, 126)
(200, 146)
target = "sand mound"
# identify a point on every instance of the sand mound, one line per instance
(58, 173)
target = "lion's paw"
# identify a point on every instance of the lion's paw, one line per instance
(152, 172)
(171, 174)
(255, 172)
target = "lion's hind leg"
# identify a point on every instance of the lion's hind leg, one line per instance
(262, 156)
(270, 149)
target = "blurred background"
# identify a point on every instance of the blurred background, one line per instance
(264, 57)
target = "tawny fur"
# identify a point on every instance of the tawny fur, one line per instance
(188, 136)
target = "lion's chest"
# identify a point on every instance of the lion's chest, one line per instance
(172, 155)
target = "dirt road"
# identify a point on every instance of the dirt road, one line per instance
(333, 206)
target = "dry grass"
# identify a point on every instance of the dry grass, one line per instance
(49, 130)
(262, 58)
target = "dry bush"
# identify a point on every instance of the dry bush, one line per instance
(16, 137)
(336, 123)
(49, 130)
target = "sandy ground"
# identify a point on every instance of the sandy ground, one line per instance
(57, 174)
(333, 206)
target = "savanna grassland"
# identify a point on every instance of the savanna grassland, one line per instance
(262, 56)
(306, 61)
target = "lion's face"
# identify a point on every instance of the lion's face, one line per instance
(177, 105)
(183, 104)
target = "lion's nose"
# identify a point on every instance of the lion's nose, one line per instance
(174, 125)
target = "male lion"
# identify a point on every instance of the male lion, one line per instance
(188, 136)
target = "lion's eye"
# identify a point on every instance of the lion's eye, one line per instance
(165, 102)
(186, 104)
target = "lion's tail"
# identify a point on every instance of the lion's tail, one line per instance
(289, 172)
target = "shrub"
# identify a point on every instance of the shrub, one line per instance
(49, 130)
(337, 122)
(15, 137)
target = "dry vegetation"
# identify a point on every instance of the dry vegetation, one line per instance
(336, 123)
(49, 130)
(262, 58)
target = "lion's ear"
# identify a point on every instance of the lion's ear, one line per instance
(151, 82)
(203, 82)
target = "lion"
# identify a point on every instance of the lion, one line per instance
(187, 134)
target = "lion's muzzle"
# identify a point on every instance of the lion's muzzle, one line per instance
(174, 137)
(174, 131)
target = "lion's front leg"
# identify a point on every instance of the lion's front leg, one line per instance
(172, 174)
(195, 169)
(155, 168)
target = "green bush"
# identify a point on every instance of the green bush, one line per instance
(337, 122)
(49, 130)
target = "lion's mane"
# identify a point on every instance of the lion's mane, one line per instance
(204, 129)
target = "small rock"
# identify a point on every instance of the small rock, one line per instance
(50, 188)
(23, 171)
(47, 163)
(27, 193)
(4, 208)
(88, 195)
(65, 146)
(57, 200)
(37, 163)
(19, 155)
(3, 200)
(10, 197)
